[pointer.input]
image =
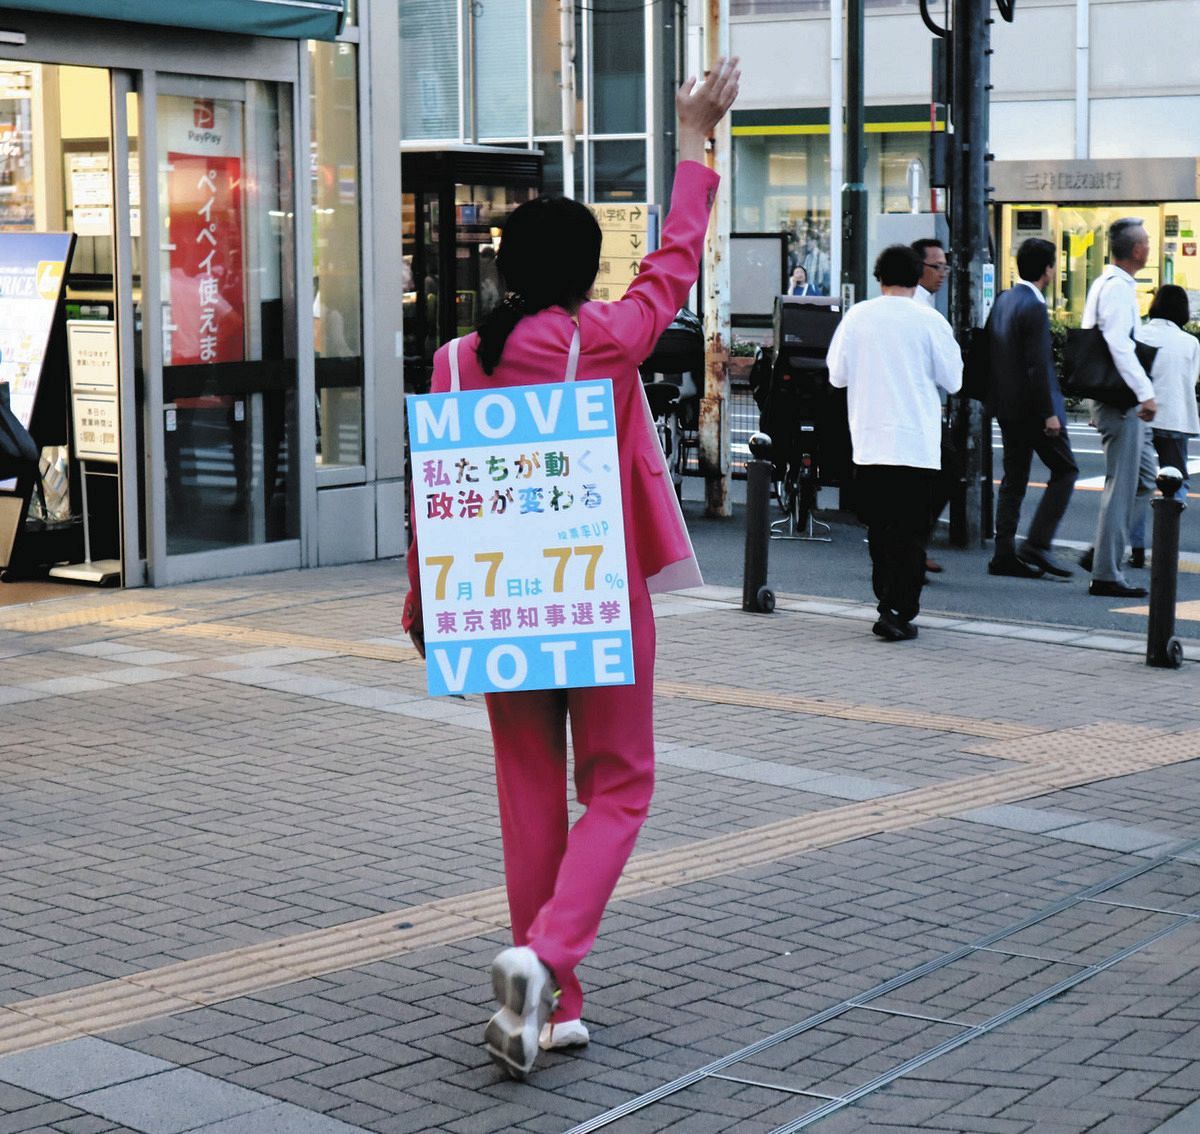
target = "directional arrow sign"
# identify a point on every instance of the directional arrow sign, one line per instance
(624, 242)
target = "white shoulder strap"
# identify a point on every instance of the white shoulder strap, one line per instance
(452, 354)
(456, 382)
(573, 357)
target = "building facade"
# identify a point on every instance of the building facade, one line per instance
(232, 390)
(1095, 113)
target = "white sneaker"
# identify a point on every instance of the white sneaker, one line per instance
(527, 995)
(562, 1034)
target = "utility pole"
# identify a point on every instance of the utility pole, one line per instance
(854, 191)
(973, 271)
(566, 52)
(714, 405)
(837, 147)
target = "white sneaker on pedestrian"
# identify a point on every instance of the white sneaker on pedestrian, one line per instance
(562, 1034)
(527, 995)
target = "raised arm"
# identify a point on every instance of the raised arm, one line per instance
(665, 277)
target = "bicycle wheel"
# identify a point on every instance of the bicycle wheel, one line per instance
(787, 490)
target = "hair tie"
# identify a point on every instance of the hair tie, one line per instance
(515, 302)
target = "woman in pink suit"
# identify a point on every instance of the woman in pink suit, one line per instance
(559, 880)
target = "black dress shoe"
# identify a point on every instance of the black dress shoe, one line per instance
(1137, 557)
(1107, 589)
(1014, 567)
(1038, 558)
(893, 629)
(1087, 559)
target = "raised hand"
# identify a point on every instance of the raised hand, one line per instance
(699, 106)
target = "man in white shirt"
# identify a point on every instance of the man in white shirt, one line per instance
(934, 267)
(892, 355)
(1112, 306)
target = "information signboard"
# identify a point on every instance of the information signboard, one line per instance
(626, 240)
(92, 351)
(521, 538)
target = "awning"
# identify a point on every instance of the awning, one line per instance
(283, 19)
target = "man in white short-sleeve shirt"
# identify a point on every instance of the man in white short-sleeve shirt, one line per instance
(893, 355)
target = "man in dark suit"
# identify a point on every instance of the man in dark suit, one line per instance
(1026, 400)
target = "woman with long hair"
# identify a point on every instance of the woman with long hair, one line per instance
(560, 877)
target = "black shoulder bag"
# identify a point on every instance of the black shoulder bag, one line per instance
(1089, 370)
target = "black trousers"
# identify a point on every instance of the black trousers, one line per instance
(894, 503)
(1021, 440)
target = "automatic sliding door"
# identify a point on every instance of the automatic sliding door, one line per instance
(226, 266)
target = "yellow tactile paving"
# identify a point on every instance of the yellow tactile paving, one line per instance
(251, 636)
(1188, 611)
(1049, 762)
(843, 710)
(41, 620)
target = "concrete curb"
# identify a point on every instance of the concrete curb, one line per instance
(1113, 641)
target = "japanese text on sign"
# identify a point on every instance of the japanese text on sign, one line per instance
(625, 240)
(517, 496)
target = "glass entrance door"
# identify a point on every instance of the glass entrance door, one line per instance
(227, 309)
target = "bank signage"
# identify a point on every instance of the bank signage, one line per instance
(517, 499)
(1120, 179)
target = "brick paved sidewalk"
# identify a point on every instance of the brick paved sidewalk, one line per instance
(250, 880)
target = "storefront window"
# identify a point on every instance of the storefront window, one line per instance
(501, 61)
(619, 170)
(618, 69)
(429, 72)
(552, 169)
(892, 176)
(781, 184)
(56, 145)
(1080, 232)
(337, 267)
(16, 154)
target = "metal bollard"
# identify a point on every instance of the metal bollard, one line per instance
(1163, 649)
(757, 597)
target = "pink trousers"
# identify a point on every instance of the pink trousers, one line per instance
(559, 880)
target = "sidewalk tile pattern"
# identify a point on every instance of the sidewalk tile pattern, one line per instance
(825, 818)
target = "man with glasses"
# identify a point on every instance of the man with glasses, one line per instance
(934, 269)
(935, 266)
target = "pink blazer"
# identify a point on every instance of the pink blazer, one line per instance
(614, 339)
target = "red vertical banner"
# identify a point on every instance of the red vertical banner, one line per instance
(204, 194)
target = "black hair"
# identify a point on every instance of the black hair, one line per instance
(920, 247)
(1033, 258)
(1121, 238)
(898, 266)
(1171, 302)
(549, 256)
